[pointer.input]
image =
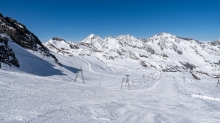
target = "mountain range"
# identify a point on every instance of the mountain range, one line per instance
(163, 52)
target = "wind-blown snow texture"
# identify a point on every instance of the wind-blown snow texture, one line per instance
(42, 91)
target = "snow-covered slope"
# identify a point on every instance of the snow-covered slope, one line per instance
(32, 62)
(157, 97)
(43, 91)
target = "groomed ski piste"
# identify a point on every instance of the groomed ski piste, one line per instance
(41, 91)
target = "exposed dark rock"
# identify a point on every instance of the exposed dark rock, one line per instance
(143, 64)
(149, 49)
(58, 39)
(164, 55)
(143, 56)
(7, 55)
(194, 76)
(188, 65)
(172, 69)
(22, 36)
(74, 46)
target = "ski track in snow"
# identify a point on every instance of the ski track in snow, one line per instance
(90, 68)
(49, 100)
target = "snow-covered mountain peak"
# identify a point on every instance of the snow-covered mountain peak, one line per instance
(126, 37)
(109, 38)
(129, 40)
(163, 39)
(92, 38)
(57, 39)
(164, 36)
(92, 35)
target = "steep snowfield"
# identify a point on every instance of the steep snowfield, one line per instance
(35, 63)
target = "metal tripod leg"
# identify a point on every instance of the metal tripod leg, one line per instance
(76, 76)
(82, 77)
(217, 83)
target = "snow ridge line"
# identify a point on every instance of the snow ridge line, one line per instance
(205, 97)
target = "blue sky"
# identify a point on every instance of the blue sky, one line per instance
(74, 20)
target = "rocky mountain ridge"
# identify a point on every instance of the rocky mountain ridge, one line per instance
(18, 33)
(163, 51)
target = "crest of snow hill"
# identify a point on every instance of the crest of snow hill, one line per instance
(12, 30)
(164, 51)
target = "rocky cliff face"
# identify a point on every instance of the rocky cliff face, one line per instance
(18, 33)
(7, 56)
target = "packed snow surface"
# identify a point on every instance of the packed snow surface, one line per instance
(153, 97)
